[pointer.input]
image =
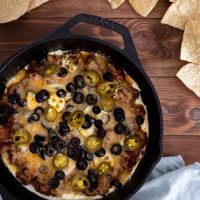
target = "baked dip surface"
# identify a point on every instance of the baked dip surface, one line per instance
(72, 126)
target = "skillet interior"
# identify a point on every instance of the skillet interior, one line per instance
(149, 97)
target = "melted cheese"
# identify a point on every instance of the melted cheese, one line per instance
(56, 102)
(31, 102)
(17, 78)
(35, 83)
(12, 168)
(87, 132)
(56, 53)
(70, 167)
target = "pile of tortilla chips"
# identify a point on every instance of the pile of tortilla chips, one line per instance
(190, 76)
(185, 15)
(142, 7)
(13, 9)
(180, 12)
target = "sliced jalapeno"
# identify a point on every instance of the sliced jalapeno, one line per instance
(107, 104)
(21, 136)
(104, 168)
(76, 119)
(60, 161)
(91, 78)
(107, 89)
(93, 143)
(132, 143)
(50, 70)
(51, 114)
(80, 182)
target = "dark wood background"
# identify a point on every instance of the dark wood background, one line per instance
(158, 47)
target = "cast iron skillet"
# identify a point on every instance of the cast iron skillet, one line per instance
(126, 58)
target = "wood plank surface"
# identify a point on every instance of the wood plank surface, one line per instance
(180, 106)
(152, 40)
(186, 146)
(158, 47)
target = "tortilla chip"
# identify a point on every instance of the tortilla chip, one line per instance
(190, 76)
(12, 9)
(115, 3)
(143, 7)
(180, 12)
(35, 3)
(190, 49)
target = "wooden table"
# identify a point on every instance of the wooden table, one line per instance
(158, 47)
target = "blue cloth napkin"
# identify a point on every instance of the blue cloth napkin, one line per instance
(170, 180)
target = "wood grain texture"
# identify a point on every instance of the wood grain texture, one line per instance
(158, 47)
(180, 106)
(187, 146)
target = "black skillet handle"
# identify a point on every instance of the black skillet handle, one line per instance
(129, 49)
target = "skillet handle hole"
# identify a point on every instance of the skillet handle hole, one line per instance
(98, 32)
